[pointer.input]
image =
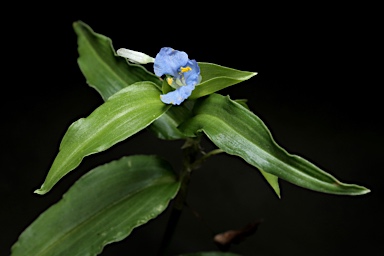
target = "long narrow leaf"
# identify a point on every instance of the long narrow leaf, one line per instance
(238, 131)
(102, 207)
(122, 115)
(272, 180)
(102, 68)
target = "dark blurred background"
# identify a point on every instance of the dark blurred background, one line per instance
(317, 90)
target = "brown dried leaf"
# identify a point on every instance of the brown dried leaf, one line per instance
(234, 236)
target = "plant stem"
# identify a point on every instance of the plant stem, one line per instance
(204, 158)
(191, 150)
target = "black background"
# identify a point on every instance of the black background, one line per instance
(317, 90)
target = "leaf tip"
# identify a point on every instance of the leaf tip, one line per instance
(76, 23)
(365, 191)
(355, 190)
(40, 191)
(251, 74)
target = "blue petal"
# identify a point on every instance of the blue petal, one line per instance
(168, 61)
(177, 96)
(192, 77)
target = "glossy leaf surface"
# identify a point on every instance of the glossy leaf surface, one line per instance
(122, 115)
(238, 131)
(103, 69)
(272, 180)
(102, 207)
(165, 127)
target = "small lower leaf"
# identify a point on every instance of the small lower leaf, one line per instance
(102, 207)
(273, 181)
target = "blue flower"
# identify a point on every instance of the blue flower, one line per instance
(181, 73)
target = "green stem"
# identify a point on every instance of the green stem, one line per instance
(204, 158)
(191, 150)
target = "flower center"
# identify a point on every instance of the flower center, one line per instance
(186, 69)
(169, 80)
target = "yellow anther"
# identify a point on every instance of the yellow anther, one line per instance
(186, 69)
(169, 80)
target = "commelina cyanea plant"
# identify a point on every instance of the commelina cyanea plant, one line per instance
(176, 99)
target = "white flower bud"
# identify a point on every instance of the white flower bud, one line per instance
(135, 57)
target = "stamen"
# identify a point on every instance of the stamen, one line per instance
(186, 69)
(169, 80)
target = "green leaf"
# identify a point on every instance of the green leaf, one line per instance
(273, 181)
(238, 131)
(102, 207)
(122, 115)
(165, 127)
(103, 69)
(216, 77)
(242, 102)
